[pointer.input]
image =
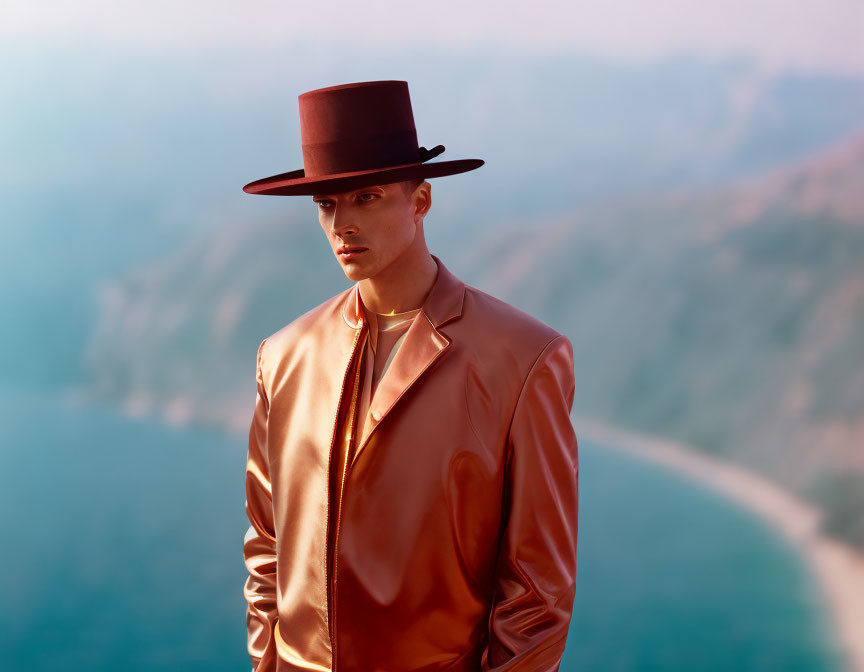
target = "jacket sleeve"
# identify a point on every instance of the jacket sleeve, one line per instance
(535, 578)
(259, 544)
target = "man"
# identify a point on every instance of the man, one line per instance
(412, 474)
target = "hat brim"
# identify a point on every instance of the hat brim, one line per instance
(295, 183)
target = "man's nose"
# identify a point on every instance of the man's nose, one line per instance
(343, 221)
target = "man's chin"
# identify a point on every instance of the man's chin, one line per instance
(356, 271)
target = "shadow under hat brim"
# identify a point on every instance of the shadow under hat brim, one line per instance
(295, 183)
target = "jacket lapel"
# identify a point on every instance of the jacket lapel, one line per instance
(421, 346)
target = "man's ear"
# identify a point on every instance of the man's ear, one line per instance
(422, 201)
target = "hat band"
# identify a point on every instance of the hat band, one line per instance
(366, 153)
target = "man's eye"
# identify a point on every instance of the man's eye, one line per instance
(323, 204)
(368, 193)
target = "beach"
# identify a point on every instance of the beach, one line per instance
(837, 567)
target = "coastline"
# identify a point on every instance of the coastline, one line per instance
(837, 567)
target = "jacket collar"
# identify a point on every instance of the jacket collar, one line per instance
(442, 304)
(421, 346)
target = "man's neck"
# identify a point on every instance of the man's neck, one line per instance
(402, 286)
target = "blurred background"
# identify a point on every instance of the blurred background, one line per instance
(678, 186)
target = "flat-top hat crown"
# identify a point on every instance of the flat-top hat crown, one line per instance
(355, 135)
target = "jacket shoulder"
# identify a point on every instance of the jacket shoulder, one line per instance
(502, 345)
(503, 322)
(282, 342)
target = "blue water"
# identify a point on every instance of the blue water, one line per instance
(122, 550)
(674, 577)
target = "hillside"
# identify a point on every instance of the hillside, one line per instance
(116, 156)
(731, 318)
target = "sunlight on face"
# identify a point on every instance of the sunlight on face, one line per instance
(382, 219)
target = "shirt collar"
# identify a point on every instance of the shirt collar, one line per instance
(442, 304)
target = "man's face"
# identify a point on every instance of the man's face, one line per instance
(383, 220)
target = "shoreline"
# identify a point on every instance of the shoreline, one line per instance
(837, 567)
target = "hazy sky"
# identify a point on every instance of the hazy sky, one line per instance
(824, 35)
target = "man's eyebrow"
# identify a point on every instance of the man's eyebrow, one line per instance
(354, 192)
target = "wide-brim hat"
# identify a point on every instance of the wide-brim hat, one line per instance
(357, 135)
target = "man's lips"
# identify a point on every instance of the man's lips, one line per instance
(348, 249)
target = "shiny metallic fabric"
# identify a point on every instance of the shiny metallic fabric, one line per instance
(456, 544)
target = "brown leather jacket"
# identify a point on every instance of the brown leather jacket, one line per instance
(456, 548)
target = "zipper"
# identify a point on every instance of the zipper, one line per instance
(348, 451)
(331, 576)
